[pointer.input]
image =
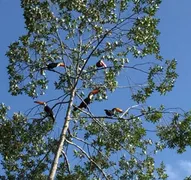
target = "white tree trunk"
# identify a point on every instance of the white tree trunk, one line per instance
(62, 138)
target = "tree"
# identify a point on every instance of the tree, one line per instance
(120, 33)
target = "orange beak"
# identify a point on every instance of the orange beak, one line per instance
(39, 102)
(118, 110)
(61, 64)
(95, 91)
(103, 64)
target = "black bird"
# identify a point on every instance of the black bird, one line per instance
(112, 112)
(85, 102)
(100, 63)
(51, 66)
(109, 112)
(47, 109)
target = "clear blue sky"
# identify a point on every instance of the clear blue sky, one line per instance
(175, 41)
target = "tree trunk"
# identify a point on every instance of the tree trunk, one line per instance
(62, 138)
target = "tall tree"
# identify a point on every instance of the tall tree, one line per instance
(93, 42)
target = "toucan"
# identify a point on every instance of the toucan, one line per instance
(54, 65)
(112, 112)
(85, 102)
(100, 63)
(47, 109)
(51, 66)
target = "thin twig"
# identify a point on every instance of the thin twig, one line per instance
(128, 110)
(90, 159)
(33, 171)
(58, 103)
(67, 162)
(79, 139)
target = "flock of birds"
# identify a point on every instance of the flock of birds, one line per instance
(84, 104)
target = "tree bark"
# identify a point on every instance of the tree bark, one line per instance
(62, 138)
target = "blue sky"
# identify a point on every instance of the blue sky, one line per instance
(175, 41)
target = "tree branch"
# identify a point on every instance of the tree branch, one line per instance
(90, 159)
(128, 110)
(67, 162)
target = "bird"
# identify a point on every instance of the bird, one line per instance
(109, 112)
(112, 112)
(51, 66)
(101, 63)
(85, 102)
(47, 109)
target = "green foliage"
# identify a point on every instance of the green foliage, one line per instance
(22, 146)
(47, 28)
(177, 133)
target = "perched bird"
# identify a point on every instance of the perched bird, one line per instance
(54, 65)
(85, 102)
(47, 109)
(112, 112)
(109, 112)
(100, 63)
(51, 66)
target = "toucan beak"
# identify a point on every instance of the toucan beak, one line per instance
(95, 91)
(103, 64)
(118, 110)
(62, 64)
(39, 102)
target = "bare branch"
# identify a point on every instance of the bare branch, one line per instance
(67, 162)
(128, 110)
(90, 159)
